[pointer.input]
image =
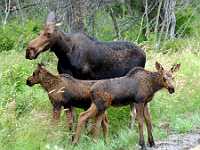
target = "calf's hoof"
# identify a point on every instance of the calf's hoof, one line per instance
(151, 143)
(74, 142)
(94, 140)
(106, 141)
(143, 147)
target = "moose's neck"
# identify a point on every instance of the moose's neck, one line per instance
(156, 81)
(49, 81)
(60, 47)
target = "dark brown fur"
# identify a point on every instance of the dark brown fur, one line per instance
(64, 90)
(138, 86)
(84, 57)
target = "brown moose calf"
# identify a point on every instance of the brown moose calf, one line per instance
(138, 86)
(64, 90)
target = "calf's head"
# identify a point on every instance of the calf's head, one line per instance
(37, 76)
(44, 40)
(167, 76)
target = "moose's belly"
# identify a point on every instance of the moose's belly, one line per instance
(122, 101)
(103, 70)
(122, 90)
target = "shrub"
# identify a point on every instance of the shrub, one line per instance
(16, 37)
(184, 18)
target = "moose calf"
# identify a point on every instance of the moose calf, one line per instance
(64, 90)
(137, 86)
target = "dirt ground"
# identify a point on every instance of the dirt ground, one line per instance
(189, 141)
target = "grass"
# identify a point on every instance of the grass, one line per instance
(30, 127)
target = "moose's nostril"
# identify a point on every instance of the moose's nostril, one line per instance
(27, 55)
(28, 83)
(171, 90)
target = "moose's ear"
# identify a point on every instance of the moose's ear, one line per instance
(175, 68)
(158, 66)
(51, 18)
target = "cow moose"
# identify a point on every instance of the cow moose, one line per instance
(137, 86)
(64, 91)
(84, 57)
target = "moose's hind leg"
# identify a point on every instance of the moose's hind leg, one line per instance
(83, 117)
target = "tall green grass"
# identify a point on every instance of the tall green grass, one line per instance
(30, 126)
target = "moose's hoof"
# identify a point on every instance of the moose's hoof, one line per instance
(151, 143)
(143, 147)
(74, 142)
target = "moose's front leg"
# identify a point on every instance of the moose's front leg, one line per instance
(56, 112)
(132, 116)
(98, 123)
(105, 126)
(70, 115)
(140, 119)
(149, 126)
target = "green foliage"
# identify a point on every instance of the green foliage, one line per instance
(184, 19)
(173, 45)
(14, 36)
(31, 128)
(6, 43)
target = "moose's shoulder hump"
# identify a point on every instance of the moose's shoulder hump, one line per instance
(134, 71)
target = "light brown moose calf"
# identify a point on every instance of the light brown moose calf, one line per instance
(64, 90)
(138, 86)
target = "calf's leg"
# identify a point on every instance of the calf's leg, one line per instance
(132, 116)
(149, 126)
(56, 112)
(83, 117)
(140, 119)
(70, 116)
(97, 125)
(105, 128)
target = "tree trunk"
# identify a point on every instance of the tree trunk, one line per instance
(76, 17)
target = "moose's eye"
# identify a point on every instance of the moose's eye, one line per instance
(48, 35)
(164, 79)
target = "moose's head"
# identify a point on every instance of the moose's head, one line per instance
(167, 76)
(45, 39)
(37, 75)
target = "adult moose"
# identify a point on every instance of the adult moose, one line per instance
(84, 57)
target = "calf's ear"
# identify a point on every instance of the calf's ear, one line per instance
(175, 68)
(159, 67)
